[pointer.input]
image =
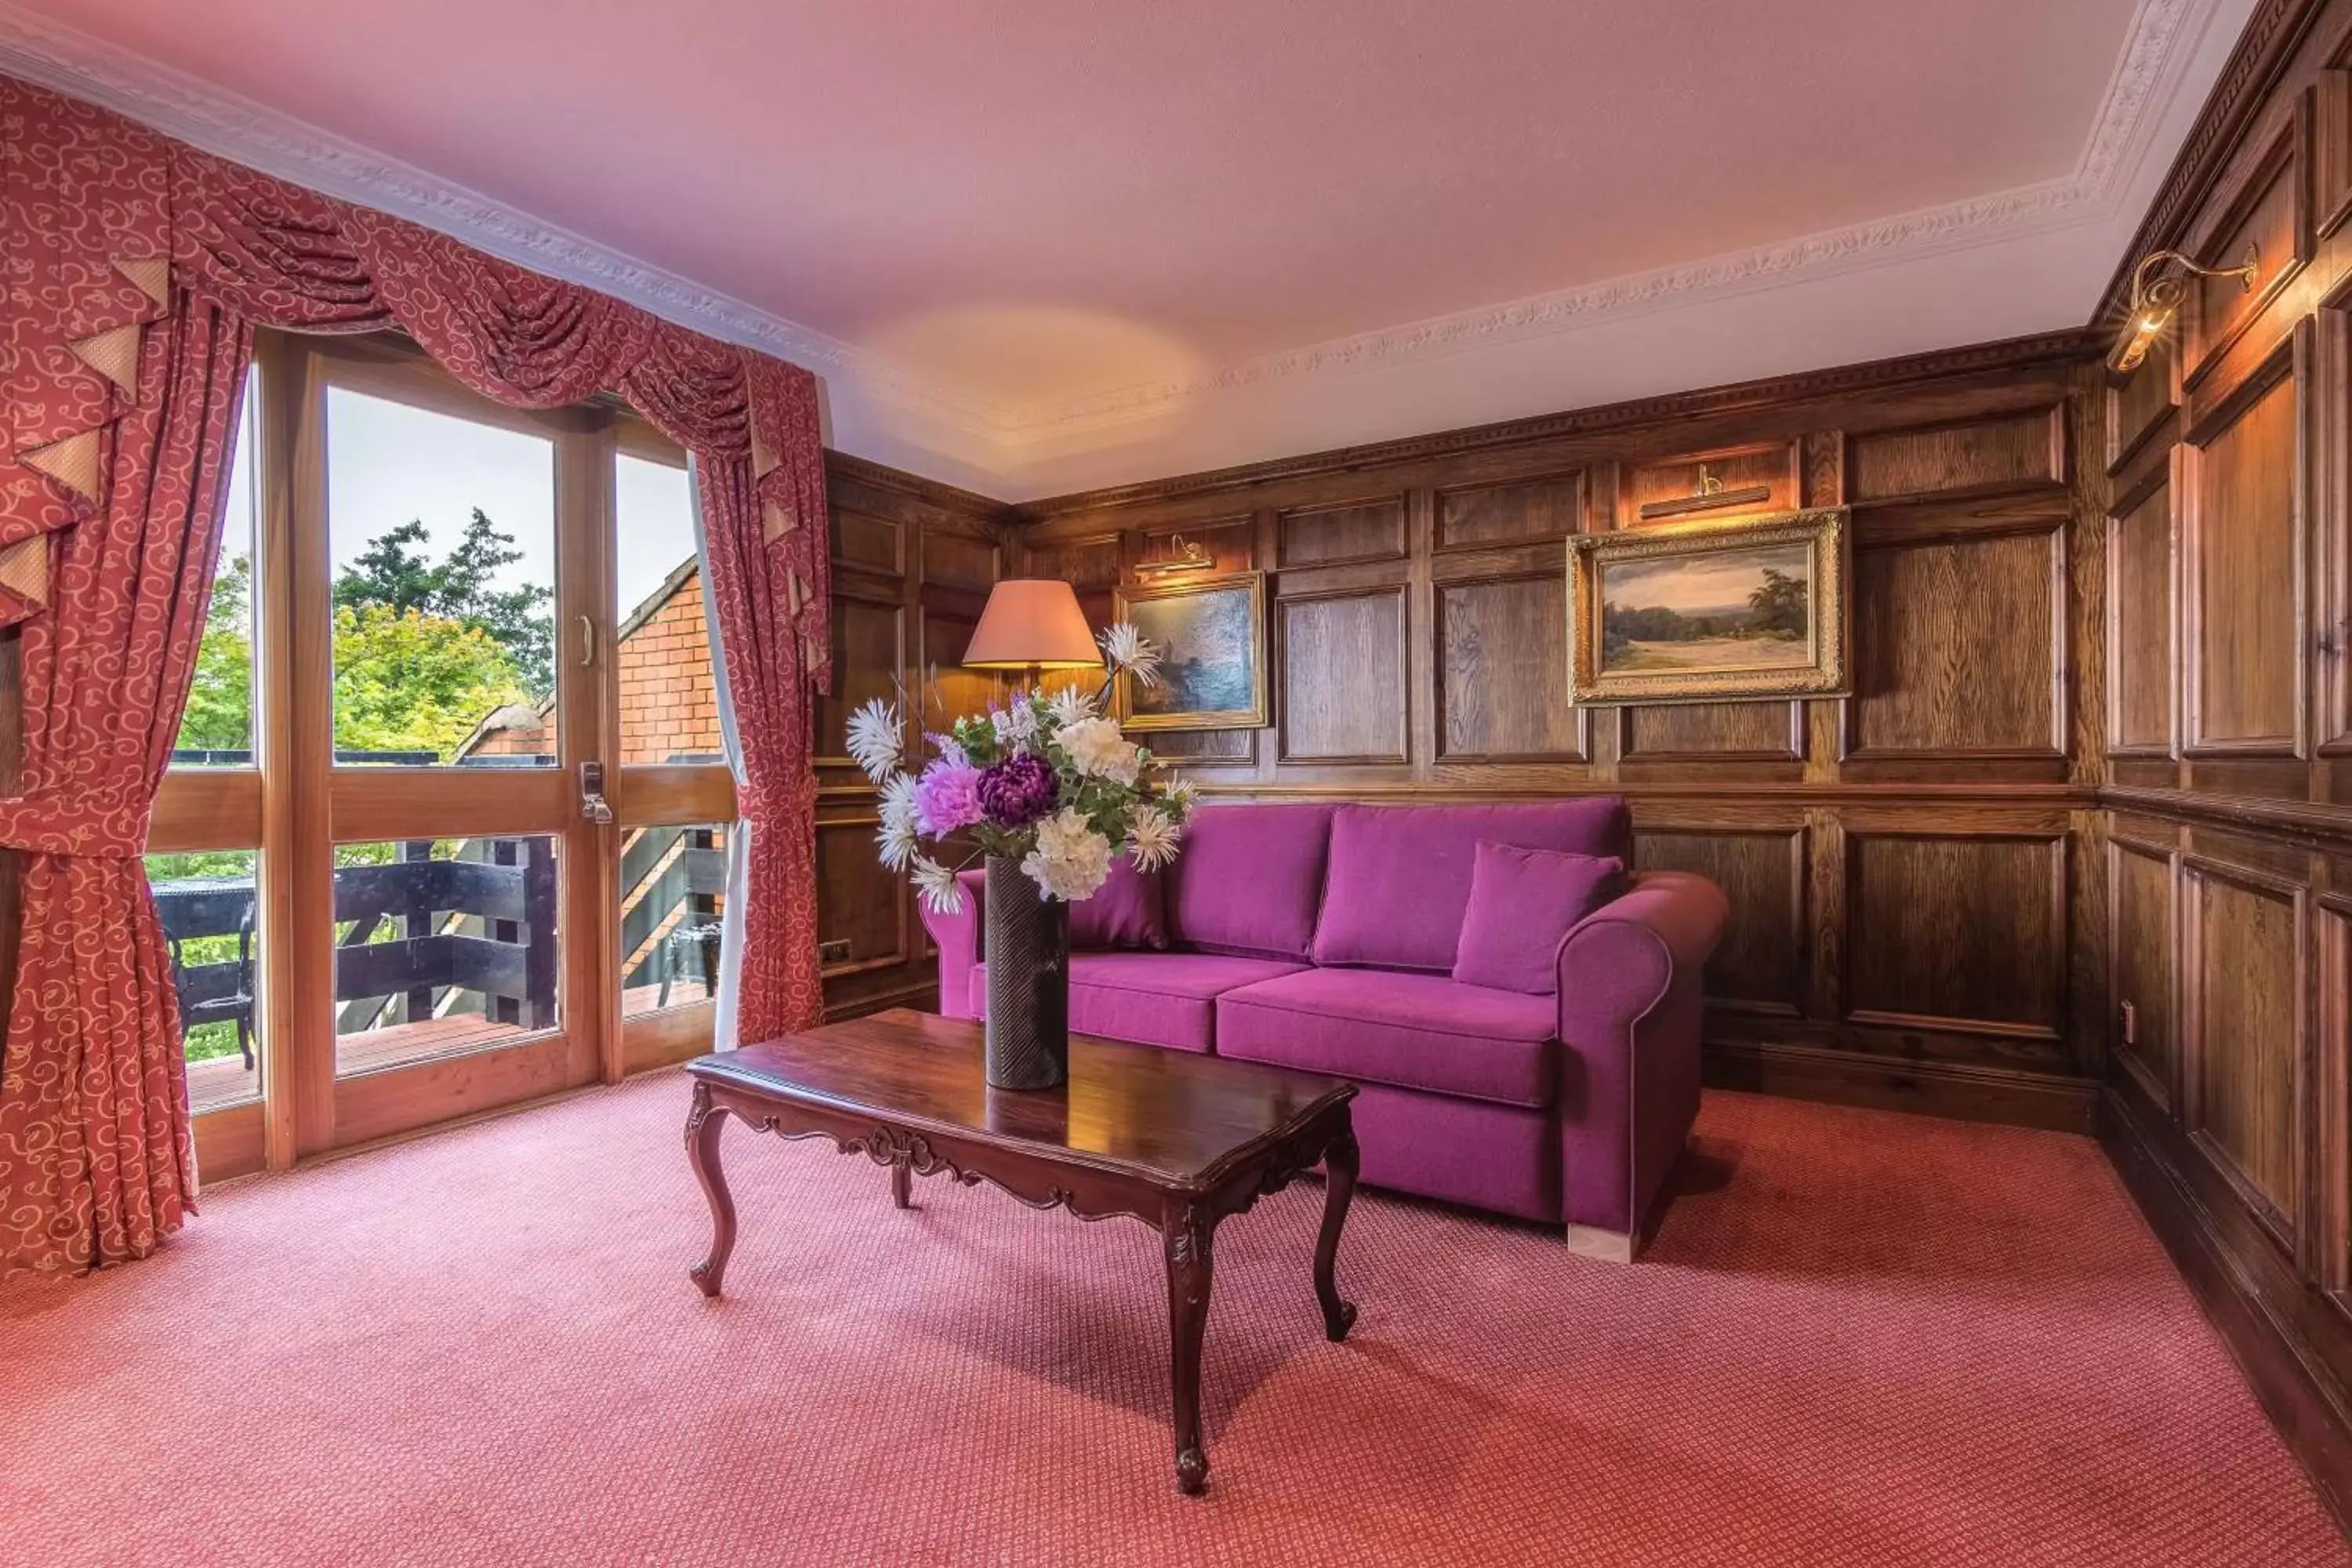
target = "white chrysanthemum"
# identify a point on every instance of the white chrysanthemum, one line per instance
(1071, 860)
(936, 883)
(1178, 798)
(876, 738)
(896, 835)
(1098, 750)
(1072, 706)
(1125, 649)
(1151, 839)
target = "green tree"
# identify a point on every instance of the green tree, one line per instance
(392, 572)
(220, 701)
(1778, 606)
(409, 681)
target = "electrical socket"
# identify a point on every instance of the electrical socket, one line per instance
(833, 952)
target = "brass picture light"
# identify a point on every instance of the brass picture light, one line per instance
(2156, 296)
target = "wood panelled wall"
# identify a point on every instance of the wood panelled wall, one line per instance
(2225, 835)
(913, 562)
(1905, 865)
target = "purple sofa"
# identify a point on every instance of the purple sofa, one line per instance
(1321, 937)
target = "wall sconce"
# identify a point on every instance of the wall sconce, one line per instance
(2154, 300)
(1189, 557)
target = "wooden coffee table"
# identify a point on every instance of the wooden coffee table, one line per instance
(1175, 1140)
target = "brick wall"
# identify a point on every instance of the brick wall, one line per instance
(668, 707)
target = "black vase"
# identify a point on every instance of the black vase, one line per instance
(1027, 946)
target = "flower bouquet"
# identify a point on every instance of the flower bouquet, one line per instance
(1046, 791)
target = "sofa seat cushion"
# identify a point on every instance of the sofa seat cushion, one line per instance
(1427, 1032)
(1150, 998)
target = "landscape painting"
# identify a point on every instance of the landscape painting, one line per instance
(1210, 636)
(1704, 612)
(1739, 609)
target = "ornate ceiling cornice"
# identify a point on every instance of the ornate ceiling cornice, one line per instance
(2162, 33)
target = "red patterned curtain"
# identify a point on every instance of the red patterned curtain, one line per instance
(134, 270)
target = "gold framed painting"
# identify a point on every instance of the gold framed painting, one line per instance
(1711, 611)
(1210, 634)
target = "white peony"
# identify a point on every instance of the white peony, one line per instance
(1071, 860)
(1151, 839)
(1098, 750)
(875, 738)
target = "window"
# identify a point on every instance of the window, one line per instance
(206, 902)
(442, 945)
(673, 894)
(217, 730)
(443, 538)
(669, 707)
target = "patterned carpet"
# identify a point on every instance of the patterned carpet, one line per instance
(1861, 1338)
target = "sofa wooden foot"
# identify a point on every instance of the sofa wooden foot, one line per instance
(1607, 1245)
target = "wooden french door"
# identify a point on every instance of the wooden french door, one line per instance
(393, 896)
(431, 919)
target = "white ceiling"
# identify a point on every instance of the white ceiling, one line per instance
(1040, 245)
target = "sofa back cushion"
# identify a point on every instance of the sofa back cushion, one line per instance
(1127, 911)
(1400, 877)
(1248, 879)
(1522, 904)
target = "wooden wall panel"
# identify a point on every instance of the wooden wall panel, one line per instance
(1486, 515)
(1330, 535)
(913, 562)
(1761, 965)
(2243, 414)
(2245, 1040)
(1965, 934)
(1502, 658)
(2140, 909)
(1957, 647)
(2013, 452)
(1340, 660)
(1416, 638)
(2241, 593)
(1713, 732)
(2139, 623)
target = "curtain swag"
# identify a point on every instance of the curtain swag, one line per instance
(135, 269)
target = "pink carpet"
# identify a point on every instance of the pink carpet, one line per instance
(1860, 1338)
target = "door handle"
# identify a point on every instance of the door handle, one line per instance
(587, 643)
(593, 806)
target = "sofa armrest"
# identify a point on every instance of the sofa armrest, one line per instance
(1630, 977)
(957, 937)
(1620, 961)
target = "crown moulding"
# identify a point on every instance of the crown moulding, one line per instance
(2147, 72)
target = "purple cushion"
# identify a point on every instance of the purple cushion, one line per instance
(1125, 911)
(1522, 902)
(1400, 877)
(1415, 1031)
(1151, 998)
(1249, 879)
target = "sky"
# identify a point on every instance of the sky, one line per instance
(387, 463)
(1711, 583)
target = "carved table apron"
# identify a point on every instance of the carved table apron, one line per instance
(1183, 1206)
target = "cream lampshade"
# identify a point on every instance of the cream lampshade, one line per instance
(1031, 623)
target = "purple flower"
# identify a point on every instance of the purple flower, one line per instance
(1017, 791)
(946, 797)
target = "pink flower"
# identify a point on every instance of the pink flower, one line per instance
(946, 797)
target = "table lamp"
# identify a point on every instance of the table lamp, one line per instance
(1032, 623)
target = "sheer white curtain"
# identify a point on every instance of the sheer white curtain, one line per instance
(739, 839)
